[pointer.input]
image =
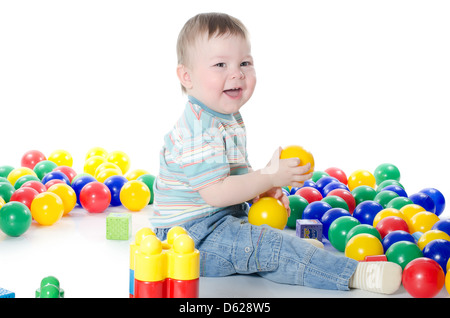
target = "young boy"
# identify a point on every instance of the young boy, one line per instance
(205, 177)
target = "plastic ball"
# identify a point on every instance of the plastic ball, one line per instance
(105, 166)
(19, 172)
(67, 195)
(447, 282)
(324, 181)
(423, 221)
(336, 202)
(362, 245)
(438, 199)
(31, 158)
(61, 158)
(329, 216)
(44, 167)
(423, 278)
(442, 225)
(366, 211)
(6, 191)
(346, 196)
(362, 229)
(15, 218)
(24, 195)
(269, 211)
(403, 252)
(361, 177)
(149, 180)
(363, 193)
(431, 236)
(36, 185)
(25, 179)
(298, 152)
(399, 202)
(387, 212)
(120, 159)
(317, 175)
(96, 151)
(55, 175)
(92, 163)
(5, 170)
(397, 189)
(386, 171)
(297, 204)
(309, 194)
(135, 195)
(106, 173)
(424, 200)
(68, 172)
(2, 202)
(396, 236)
(115, 184)
(338, 174)
(49, 183)
(316, 210)
(438, 250)
(134, 174)
(47, 208)
(339, 229)
(95, 197)
(384, 197)
(409, 211)
(391, 223)
(79, 183)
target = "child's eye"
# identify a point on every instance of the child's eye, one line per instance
(220, 64)
(246, 63)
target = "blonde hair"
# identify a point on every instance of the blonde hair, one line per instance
(210, 24)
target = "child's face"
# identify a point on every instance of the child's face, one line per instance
(221, 73)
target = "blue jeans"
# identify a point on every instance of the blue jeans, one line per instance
(229, 244)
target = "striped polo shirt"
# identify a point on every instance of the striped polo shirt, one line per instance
(204, 147)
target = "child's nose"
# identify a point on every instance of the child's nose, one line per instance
(237, 74)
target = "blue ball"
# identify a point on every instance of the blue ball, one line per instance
(438, 250)
(315, 210)
(310, 183)
(79, 183)
(366, 211)
(55, 175)
(424, 200)
(396, 236)
(115, 184)
(397, 189)
(322, 182)
(332, 186)
(442, 225)
(438, 199)
(331, 215)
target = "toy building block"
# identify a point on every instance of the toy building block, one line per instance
(375, 258)
(309, 229)
(134, 247)
(49, 288)
(4, 293)
(118, 226)
(169, 269)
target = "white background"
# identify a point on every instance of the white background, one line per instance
(358, 83)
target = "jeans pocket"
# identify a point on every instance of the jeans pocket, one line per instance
(214, 265)
(256, 249)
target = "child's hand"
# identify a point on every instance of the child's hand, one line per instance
(286, 172)
(278, 194)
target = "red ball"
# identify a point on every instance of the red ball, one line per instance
(52, 182)
(391, 223)
(24, 195)
(309, 194)
(68, 171)
(423, 278)
(347, 196)
(95, 197)
(338, 174)
(36, 185)
(31, 158)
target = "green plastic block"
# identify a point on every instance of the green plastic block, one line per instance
(118, 226)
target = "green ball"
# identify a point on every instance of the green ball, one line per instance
(6, 191)
(403, 252)
(15, 218)
(149, 180)
(43, 167)
(336, 202)
(384, 197)
(363, 193)
(362, 229)
(338, 230)
(5, 170)
(297, 205)
(318, 174)
(386, 183)
(25, 179)
(398, 203)
(386, 171)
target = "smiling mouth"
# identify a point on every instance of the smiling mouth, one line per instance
(234, 92)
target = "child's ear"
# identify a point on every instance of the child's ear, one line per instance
(184, 76)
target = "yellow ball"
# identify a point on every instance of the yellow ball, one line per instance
(105, 174)
(298, 152)
(385, 213)
(91, 164)
(447, 282)
(119, 158)
(96, 151)
(135, 195)
(269, 211)
(47, 208)
(409, 211)
(362, 245)
(134, 174)
(61, 158)
(106, 165)
(432, 235)
(423, 221)
(16, 173)
(67, 195)
(2, 202)
(361, 177)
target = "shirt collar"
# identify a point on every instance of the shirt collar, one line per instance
(209, 110)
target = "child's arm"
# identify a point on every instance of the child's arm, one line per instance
(240, 188)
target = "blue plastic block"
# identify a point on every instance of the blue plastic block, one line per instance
(4, 293)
